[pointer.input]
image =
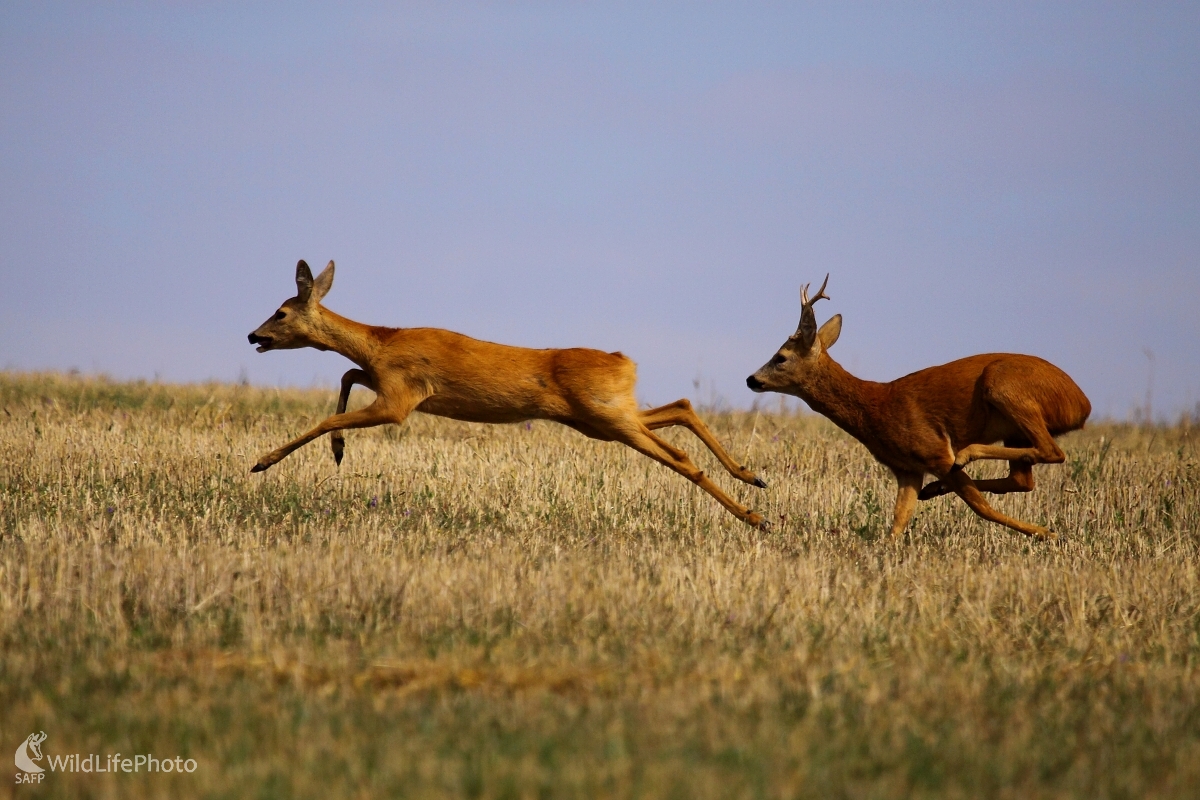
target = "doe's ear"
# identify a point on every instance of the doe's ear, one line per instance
(830, 331)
(304, 281)
(323, 283)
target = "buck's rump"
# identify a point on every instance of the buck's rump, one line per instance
(994, 386)
(1029, 382)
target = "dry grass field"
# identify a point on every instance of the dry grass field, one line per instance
(513, 612)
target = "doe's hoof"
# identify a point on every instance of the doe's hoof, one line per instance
(758, 521)
(258, 468)
(760, 483)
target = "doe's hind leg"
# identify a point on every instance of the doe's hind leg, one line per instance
(636, 435)
(680, 413)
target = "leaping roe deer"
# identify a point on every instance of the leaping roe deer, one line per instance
(936, 420)
(451, 375)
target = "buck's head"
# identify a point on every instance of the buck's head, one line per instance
(791, 366)
(296, 322)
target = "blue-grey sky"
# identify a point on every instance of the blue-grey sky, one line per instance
(653, 178)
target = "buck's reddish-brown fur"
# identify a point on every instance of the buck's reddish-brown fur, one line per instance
(451, 375)
(937, 420)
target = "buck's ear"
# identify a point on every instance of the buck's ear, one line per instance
(830, 331)
(304, 281)
(323, 283)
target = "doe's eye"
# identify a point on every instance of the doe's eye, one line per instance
(778, 359)
(278, 316)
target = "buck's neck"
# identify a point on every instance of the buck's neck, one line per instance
(354, 340)
(849, 402)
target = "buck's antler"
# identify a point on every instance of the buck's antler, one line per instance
(805, 302)
(806, 331)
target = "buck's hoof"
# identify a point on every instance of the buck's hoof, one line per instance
(259, 468)
(759, 482)
(932, 490)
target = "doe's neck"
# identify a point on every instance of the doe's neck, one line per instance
(354, 340)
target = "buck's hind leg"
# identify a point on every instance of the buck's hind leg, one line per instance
(964, 487)
(636, 435)
(1019, 479)
(680, 413)
(336, 440)
(1033, 445)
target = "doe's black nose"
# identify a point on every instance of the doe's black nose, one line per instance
(754, 383)
(253, 339)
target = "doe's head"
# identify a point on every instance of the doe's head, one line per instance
(294, 323)
(789, 368)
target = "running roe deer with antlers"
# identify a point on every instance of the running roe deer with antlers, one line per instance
(451, 375)
(936, 420)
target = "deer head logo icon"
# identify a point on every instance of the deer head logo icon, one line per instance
(31, 745)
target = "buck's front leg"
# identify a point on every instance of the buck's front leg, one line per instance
(908, 484)
(336, 440)
(372, 415)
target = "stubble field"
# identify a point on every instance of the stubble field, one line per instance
(517, 611)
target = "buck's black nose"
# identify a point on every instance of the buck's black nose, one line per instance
(253, 339)
(754, 383)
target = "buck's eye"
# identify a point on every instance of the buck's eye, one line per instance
(278, 316)
(778, 359)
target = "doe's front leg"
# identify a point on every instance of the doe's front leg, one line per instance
(368, 417)
(336, 440)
